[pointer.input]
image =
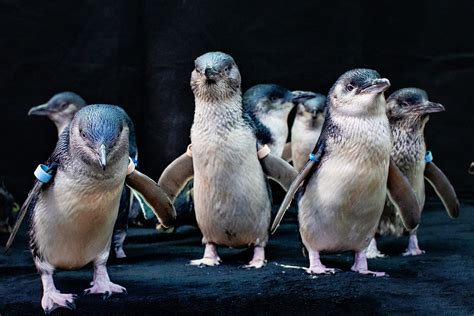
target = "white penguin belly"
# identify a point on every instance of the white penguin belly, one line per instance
(230, 191)
(342, 204)
(303, 141)
(73, 222)
(279, 129)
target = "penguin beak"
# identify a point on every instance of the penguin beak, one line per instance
(103, 156)
(301, 97)
(40, 110)
(425, 108)
(211, 73)
(429, 107)
(375, 86)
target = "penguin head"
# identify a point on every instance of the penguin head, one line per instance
(98, 135)
(269, 99)
(215, 77)
(411, 105)
(358, 92)
(60, 108)
(310, 107)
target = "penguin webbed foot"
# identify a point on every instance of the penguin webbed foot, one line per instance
(360, 265)
(210, 258)
(206, 262)
(315, 265)
(372, 252)
(320, 269)
(106, 288)
(258, 261)
(101, 283)
(54, 299)
(413, 248)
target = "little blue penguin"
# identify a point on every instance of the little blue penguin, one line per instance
(231, 193)
(408, 112)
(271, 104)
(346, 178)
(61, 109)
(72, 216)
(307, 126)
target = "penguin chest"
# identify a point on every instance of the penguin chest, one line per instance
(279, 129)
(73, 222)
(303, 141)
(344, 198)
(230, 190)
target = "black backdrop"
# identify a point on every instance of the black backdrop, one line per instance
(139, 54)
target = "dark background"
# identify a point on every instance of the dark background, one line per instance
(139, 55)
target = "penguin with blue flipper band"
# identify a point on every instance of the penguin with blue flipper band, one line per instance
(60, 109)
(231, 195)
(72, 216)
(342, 188)
(408, 111)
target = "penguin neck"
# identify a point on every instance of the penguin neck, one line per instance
(61, 125)
(408, 144)
(219, 114)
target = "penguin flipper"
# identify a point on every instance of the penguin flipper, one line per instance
(29, 204)
(155, 197)
(307, 170)
(286, 155)
(176, 175)
(278, 170)
(401, 194)
(443, 188)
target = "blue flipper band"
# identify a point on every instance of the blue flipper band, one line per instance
(41, 173)
(312, 157)
(428, 156)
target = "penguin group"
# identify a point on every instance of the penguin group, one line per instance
(354, 162)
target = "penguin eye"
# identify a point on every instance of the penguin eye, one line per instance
(63, 105)
(404, 103)
(227, 69)
(83, 134)
(349, 87)
(273, 98)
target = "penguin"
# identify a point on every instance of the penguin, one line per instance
(72, 215)
(309, 119)
(61, 109)
(348, 175)
(408, 112)
(231, 193)
(271, 104)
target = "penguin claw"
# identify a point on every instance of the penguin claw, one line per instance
(54, 299)
(255, 264)
(105, 288)
(206, 262)
(106, 295)
(320, 270)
